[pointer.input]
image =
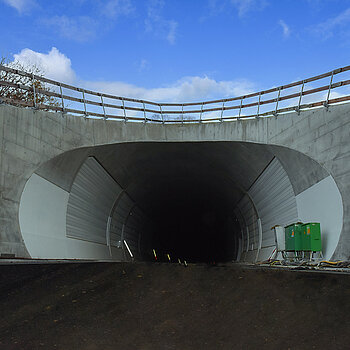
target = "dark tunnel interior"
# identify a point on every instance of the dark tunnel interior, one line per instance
(194, 222)
(189, 192)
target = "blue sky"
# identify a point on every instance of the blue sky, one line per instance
(177, 50)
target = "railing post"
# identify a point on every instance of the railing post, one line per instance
(182, 115)
(125, 117)
(161, 113)
(62, 101)
(34, 93)
(300, 97)
(222, 110)
(240, 109)
(200, 116)
(144, 112)
(257, 112)
(103, 106)
(278, 98)
(85, 112)
(329, 91)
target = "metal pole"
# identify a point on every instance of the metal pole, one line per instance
(329, 91)
(129, 251)
(278, 98)
(300, 97)
(103, 106)
(222, 110)
(161, 113)
(62, 101)
(240, 109)
(144, 112)
(34, 93)
(257, 112)
(182, 116)
(84, 102)
(125, 118)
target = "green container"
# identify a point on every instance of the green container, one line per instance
(293, 235)
(312, 234)
(306, 239)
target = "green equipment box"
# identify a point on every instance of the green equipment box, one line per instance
(311, 240)
(293, 235)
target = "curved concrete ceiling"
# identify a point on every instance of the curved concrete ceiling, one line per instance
(225, 168)
(188, 190)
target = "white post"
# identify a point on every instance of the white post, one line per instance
(129, 251)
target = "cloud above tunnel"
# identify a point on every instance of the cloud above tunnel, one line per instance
(56, 65)
(337, 25)
(22, 6)
(185, 89)
(80, 29)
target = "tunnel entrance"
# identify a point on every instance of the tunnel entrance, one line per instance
(189, 192)
(201, 201)
(194, 222)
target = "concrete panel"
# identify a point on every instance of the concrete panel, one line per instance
(10, 241)
(303, 172)
(42, 217)
(323, 203)
(62, 169)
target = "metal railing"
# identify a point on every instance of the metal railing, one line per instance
(47, 94)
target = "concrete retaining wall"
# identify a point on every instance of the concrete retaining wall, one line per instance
(30, 138)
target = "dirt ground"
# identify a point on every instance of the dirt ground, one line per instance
(167, 306)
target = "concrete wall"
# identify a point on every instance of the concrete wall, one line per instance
(42, 218)
(30, 138)
(322, 203)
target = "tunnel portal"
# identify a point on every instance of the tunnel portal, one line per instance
(200, 201)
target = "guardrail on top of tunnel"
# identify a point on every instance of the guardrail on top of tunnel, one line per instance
(21, 88)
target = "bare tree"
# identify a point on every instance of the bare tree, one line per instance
(24, 90)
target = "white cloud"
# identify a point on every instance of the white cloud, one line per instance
(172, 26)
(54, 64)
(186, 89)
(245, 6)
(21, 6)
(285, 28)
(327, 28)
(57, 66)
(315, 4)
(143, 65)
(115, 8)
(216, 6)
(80, 29)
(158, 25)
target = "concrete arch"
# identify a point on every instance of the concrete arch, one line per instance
(31, 138)
(188, 191)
